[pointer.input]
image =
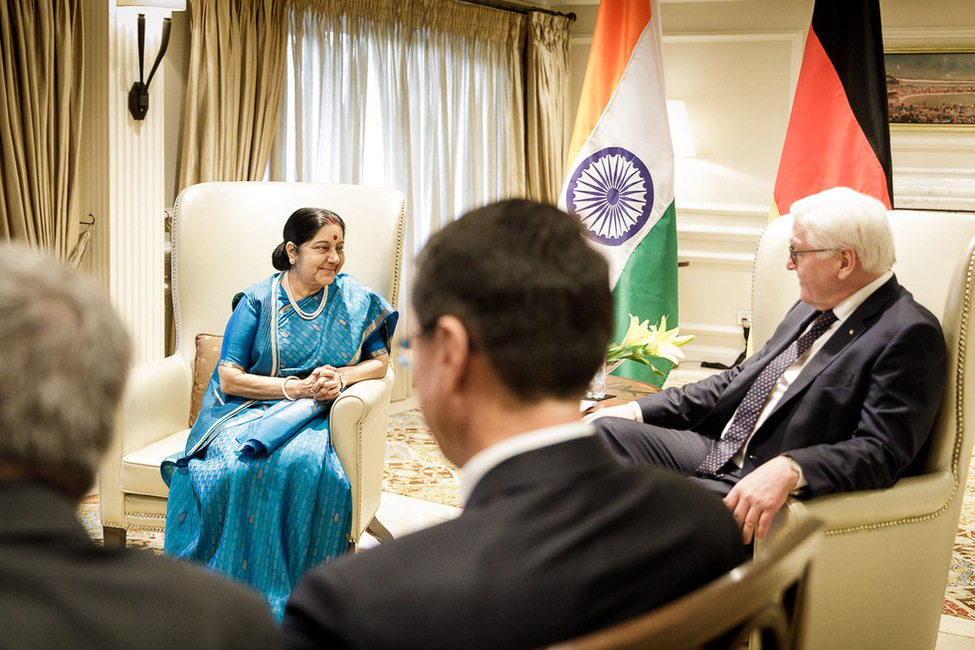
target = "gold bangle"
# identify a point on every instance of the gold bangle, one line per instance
(342, 383)
(284, 391)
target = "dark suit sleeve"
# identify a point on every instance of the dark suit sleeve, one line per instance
(706, 406)
(314, 614)
(902, 396)
(682, 407)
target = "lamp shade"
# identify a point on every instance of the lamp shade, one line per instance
(175, 5)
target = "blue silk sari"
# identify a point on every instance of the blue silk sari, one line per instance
(259, 494)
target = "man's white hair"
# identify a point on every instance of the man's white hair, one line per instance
(64, 357)
(841, 217)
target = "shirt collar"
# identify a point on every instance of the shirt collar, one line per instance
(487, 459)
(850, 304)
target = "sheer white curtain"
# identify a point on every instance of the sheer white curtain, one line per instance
(323, 119)
(422, 95)
(467, 127)
(425, 96)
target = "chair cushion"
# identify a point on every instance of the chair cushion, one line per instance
(140, 469)
(207, 355)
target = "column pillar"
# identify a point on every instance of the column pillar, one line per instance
(123, 171)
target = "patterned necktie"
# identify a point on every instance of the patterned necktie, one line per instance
(747, 413)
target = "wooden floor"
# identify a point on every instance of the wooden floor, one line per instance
(956, 633)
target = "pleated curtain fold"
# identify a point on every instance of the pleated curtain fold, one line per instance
(546, 104)
(233, 94)
(41, 84)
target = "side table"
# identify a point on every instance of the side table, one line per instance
(623, 390)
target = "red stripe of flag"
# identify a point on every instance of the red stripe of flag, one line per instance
(838, 132)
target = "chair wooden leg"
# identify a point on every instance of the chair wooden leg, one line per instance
(377, 530)
(114, 537)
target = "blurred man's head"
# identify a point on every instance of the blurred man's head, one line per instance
(527, 293)
(64, 357)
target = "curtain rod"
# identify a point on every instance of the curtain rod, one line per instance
(519, 9)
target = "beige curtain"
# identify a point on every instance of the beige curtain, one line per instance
(234, 90)
(41, 81)
(546, 104)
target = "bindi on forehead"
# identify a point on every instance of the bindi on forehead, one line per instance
(334, 237)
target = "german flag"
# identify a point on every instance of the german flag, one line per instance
(838, 132)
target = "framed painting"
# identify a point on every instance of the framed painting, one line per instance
(931, 87)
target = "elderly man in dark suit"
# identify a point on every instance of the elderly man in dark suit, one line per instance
(512, 317)
(841, 397)
(64, 357)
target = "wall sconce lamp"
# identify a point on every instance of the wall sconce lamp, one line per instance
(139, 93)
(680, 129)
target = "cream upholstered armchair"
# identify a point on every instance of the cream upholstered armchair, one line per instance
(879, 579)
(223, 235)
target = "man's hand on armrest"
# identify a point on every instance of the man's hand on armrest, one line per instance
(756, 498)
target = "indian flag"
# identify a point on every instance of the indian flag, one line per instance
(621, 167)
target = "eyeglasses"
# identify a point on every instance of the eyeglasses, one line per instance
(793, 252)
(405, 350)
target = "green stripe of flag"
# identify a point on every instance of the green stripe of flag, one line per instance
(647, 288)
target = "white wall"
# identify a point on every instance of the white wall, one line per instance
(735, 63)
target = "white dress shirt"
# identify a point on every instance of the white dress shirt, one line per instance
(487, 459)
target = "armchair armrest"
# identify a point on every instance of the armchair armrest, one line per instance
(912, 498)
(358, 429)
(156, 403)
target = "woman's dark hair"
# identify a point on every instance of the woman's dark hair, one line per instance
(302, 225)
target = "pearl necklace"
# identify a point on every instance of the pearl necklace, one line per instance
(294, 305)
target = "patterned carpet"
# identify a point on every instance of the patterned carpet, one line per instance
(414, 465)
(88, 513)
(960, 592)
(416, 468)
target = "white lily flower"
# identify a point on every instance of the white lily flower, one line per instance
(644, 342)
(637, 334)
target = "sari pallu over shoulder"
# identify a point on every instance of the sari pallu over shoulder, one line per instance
(264, 337)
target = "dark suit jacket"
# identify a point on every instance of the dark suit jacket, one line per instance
(858, 413)
(553, 543)
(59, 590)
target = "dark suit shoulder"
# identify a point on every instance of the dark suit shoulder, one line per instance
(57, 589)
(580, 545)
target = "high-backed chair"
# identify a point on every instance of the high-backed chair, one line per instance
(223, 235)
(763, 599)
(880, 578)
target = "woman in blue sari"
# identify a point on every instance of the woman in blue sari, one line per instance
(259, 494)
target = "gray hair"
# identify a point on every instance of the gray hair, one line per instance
(841, 217)
(63, 364)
